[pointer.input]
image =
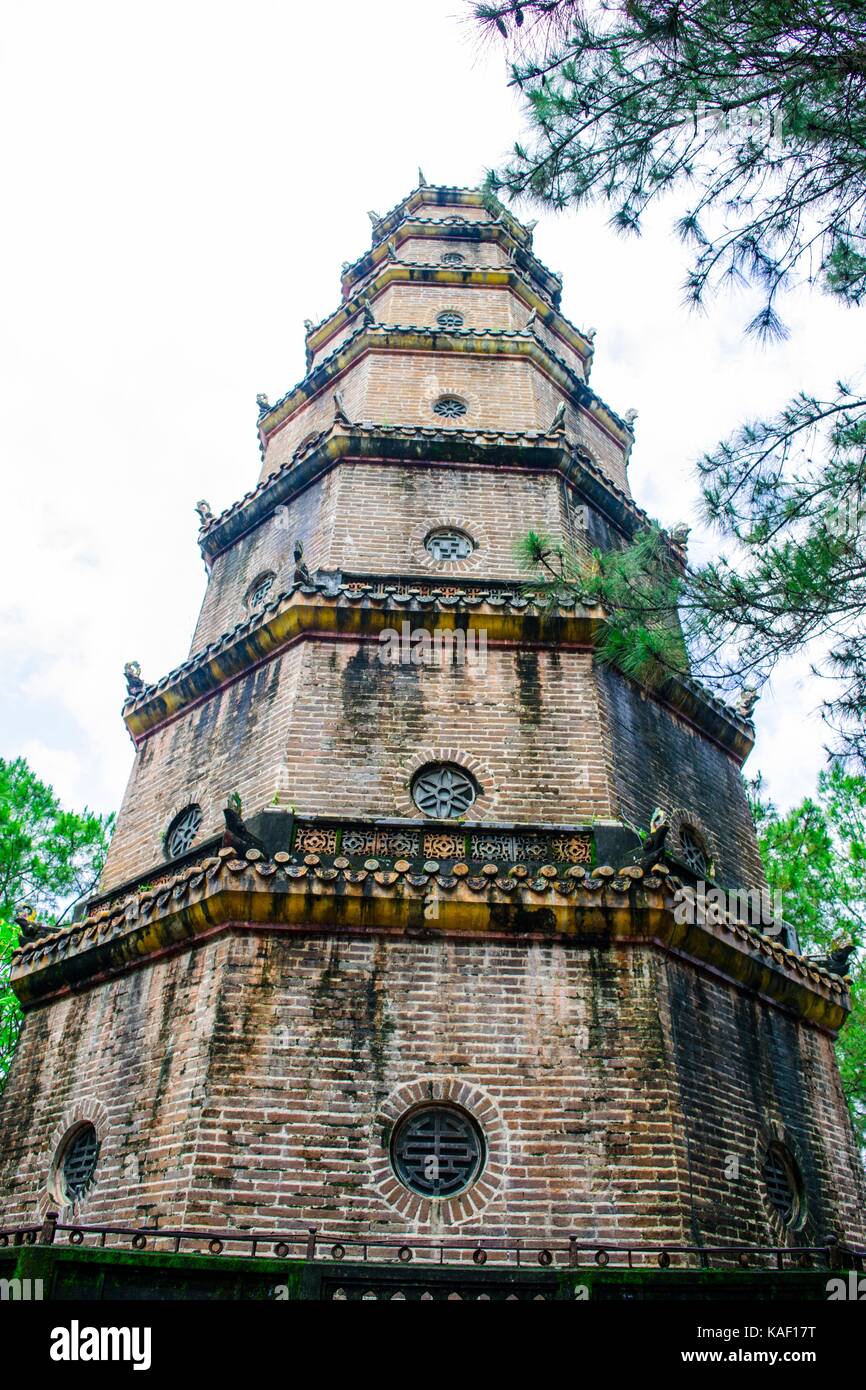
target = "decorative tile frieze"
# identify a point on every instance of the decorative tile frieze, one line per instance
(315, 840)
(393, 844)
(571, 849)
(444, 846)
(361, 841)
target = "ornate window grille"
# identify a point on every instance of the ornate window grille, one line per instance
(449, 318)
(453, 258)
(182, 831)
(443, 791)
(693, 851)
(437, 1150)
(783, 1184)
(259, 590)
(79, 1163)
(448, 545)
(450, 407)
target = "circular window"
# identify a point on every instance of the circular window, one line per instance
(449, 318)
(182, 831)
(259, 590)
(450, 407)
(437, 1150)
(453, 258)
(78, 1163)
(783, 1184)
(448, 545)
(693, 851)
(443, 791)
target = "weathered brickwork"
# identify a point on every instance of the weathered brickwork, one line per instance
(427, 251)
(247, 1083)
(747, 1075)
(385, 534)
(400, 388)
(437, 212)
(481, 308)
(235, 741)
(331, 730)
(658, 759)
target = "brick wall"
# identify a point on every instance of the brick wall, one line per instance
(250, 1082)
(400, 388)
(235, 741)
(384, 532)
(414, 304)
(659, 759)
(333, 730)
(430, 250)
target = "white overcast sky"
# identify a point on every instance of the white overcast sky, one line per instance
(182, 182)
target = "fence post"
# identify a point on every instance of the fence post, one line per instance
(49, 1228)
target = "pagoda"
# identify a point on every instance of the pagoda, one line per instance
(400, 980)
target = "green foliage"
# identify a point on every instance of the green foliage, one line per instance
(752, 108)
(815, 857)
(638, 586)
(49, 860)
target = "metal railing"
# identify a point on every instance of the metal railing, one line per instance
(312, 1244)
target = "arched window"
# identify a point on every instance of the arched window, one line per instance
(445, 544)
(259, 589)
(450, 407)
(783, 1185)
(77, 1163)
(182, 832)
(693, 851)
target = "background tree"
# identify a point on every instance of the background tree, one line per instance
(49, 860)
(815, 857)
(754, 112)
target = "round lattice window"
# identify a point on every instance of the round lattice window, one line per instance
(453, 258)
(443, 791)
(437, 1150)
(448, 545)
(783, 1184)
(693, 851)
(259, 590)
(449, 318)
(450, 407)
(182, 831)
(78, 1163)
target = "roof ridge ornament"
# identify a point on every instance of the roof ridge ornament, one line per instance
(340, 416)
(134, 684)
(557, 424)
(746, 702)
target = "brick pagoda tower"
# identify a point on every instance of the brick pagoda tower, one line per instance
(375, 958)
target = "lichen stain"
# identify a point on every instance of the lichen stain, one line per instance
(528, 686)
